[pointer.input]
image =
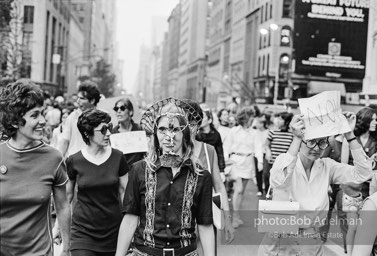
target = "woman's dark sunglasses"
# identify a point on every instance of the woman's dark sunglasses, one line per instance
(322, 144)
(106, 127)
(122, 108)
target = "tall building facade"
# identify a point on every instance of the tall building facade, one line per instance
(75, 68)
(97, 18)
(251, 48)
(38, 30)
(173, 42)
(275, 19)
(216, 90)
(193, 45)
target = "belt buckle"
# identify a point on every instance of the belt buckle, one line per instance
(168, 252)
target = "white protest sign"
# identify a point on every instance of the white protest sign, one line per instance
(130, 142)
(323, 116)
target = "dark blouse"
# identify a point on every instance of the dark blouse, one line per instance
(213, 138)
(169, 207)
(132, 157)
(97, 214)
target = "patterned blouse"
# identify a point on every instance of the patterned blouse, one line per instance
(169, 207)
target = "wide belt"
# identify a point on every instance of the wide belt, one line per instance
(167, 251)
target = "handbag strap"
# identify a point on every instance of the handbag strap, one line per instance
(207, 157)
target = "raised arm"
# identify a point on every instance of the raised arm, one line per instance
(284, 164)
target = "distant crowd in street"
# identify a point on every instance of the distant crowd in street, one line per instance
(62, 182)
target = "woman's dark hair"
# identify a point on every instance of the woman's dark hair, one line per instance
(244, 114)
(287, 117)
(268, 114)
(363, 119)
(89, 120)
(221, 112)
(197, 108)
(128, 104)
(210, 116)
(90, 91)
(15, 100)
(257, 111)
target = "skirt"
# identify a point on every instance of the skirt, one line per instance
(243, 167)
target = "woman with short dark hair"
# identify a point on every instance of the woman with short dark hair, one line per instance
(100, 174)
(30, 171)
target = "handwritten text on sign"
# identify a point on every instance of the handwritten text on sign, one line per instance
(130, 142)
(323, 116)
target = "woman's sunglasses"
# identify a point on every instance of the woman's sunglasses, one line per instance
(106, 127)
(122, 108)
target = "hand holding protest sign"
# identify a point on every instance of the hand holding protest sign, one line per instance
(323, 116)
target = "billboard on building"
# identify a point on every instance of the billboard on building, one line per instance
(330, 37)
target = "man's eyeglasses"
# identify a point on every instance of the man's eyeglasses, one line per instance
(122, 108)
(322, 144)
(106, 127)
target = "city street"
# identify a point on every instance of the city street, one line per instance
(247, 239)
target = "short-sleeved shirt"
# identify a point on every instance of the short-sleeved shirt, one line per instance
(169, 207)
(280, 143)
(25, 192)
(97, 214)
(132, 157)
(72, 134)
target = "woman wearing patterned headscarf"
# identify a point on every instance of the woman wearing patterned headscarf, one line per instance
(168, 193)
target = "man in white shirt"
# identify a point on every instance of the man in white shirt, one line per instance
(87, 98)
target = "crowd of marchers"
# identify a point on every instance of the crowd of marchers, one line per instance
(62, 182)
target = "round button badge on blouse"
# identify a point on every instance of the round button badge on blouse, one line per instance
(3, 169)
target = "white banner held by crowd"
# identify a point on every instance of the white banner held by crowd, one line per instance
(323, 116)
(130, 142)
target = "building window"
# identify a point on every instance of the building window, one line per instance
(263, 65)
(271, 10)
(285, 36)
(266, 14)
(81, 19)
(265, 40)
(260, 41)
(82, 7)
(258, 66)
(261, 14)
(268, 64)
(287, 9)
(28, 14)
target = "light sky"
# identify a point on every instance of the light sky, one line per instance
(134, 28)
